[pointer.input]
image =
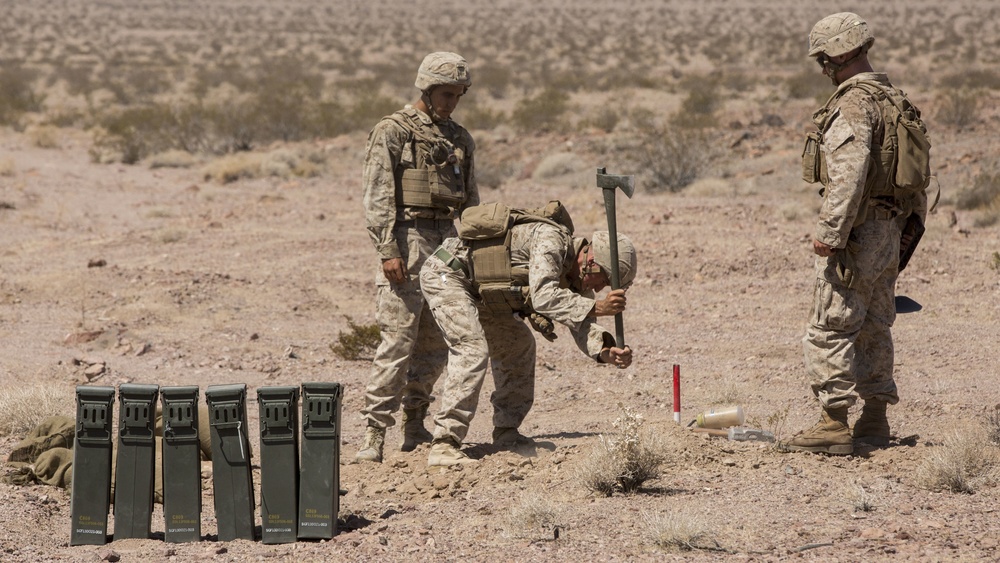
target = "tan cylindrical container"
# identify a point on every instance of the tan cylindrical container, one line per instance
(721, 417)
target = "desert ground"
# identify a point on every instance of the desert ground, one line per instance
(243, 259)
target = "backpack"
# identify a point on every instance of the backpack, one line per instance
(485, 228)
(904, 155)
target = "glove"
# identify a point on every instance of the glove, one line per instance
(543, 325)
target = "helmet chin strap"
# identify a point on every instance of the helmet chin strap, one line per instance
(834, 68)
(426, 96)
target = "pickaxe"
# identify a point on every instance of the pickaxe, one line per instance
(609, 183)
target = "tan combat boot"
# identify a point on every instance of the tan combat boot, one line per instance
(830, 435)
(445, 453)
(414, 432)
(371, 446)
(873, 427)
(507, 437)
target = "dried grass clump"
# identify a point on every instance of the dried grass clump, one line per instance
(43, 136)
(21, 409)
(359, 342)
(862, 499)
(624, 462)
(674, 530)
(544, 112)
(532, 517)
(7, 167)
(173, 158)
(993, 417)
(233, 167)
(984, 196)
(961, 463)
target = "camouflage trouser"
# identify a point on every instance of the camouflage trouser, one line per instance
(476, 338)
(412, 354)
(848, 343)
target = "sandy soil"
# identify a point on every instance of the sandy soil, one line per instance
(252, 281)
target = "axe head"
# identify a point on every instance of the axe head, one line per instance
(611, 181)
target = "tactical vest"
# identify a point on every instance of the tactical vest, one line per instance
(900, 152)
(486, 230)
(433, 177)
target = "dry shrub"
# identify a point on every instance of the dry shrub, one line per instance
(862, 499)
(533, 517)
(43, 136)
(960, 108)
(993, 417)
(21, 409)
(173, 158)
(983, 195)
(304, 162)
(961, 463)
(544, 112)
(622, 463)
(701, 104)
(359, 342)
(674, 530)
(809, 85)
(7, 167)
(234, 167)
(673, 158)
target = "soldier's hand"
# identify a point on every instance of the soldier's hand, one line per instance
(620, 357)
(394, 270)
(823, 249)
(611, 305)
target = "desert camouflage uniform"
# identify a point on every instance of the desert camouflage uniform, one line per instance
(475, 336)
(412, 354)
(848, 343)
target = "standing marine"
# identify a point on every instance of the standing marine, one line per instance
(848, 345)
(418, 176)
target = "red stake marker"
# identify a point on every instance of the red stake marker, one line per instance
(677, 393)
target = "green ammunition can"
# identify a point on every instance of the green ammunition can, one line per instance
(233, 482)
(319, 486)
(181, 464)
(90, 498)
(135, 467)
(279, 463)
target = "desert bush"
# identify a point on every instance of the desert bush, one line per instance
(959, 107)
(970, 80)
(43, 136)
(809, 84)
(532, 517)
(7, 167)
(960, 463)
(132, 134)
(604, 118)
(984, 193)
(993, 417)
(622, 463)
(287, 162)
(368, 109)
(233, 167)
(173, 158)
(699, 107)
(358, 342)
(17, 93)
(673, 158)
(681, 531)
(544, 112)
(22, 408)
(475, 115)
(557, 164)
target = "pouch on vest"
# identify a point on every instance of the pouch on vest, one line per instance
(811, 158)
(913, 169)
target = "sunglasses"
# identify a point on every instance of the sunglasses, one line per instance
(822, 59)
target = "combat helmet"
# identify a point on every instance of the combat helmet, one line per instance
(838, 34)
(443, 68)
(627, 262)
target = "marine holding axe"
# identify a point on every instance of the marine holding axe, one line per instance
(609, 183)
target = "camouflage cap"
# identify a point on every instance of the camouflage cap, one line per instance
(838, 34)
(627, 263)
(443, 68)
